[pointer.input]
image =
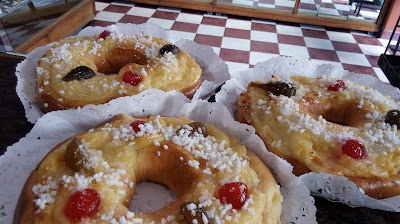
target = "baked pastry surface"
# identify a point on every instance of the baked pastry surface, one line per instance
(331, 126)
(78, 71)
(194, 160)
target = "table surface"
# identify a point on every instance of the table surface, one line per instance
(14, 126)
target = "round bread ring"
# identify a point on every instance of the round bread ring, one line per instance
(109, 58)
(342, 115)
(159, 170)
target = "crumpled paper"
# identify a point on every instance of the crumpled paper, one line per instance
(332, 187)
(22, 157)
(215, 70)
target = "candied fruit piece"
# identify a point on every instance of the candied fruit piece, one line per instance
(135, 125)
(198, 127)
(104, 34)
(393, 118)
(79, 73)
(278, 88)
(82, 204)
(169, 48)
(234, 193)
(75, 157)
(191, 212)
(354, 149)
(337, 86)
(131, 78)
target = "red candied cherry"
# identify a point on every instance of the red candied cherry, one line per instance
(82, 204)
(234, 193)
(131, 78)
(135, 125)
(354, 149)
(104, 34)
(337, 86)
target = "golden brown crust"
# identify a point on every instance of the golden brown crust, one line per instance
(191, 90)
(378, 187)
(267, 181)
(158, 170)
(25, 209)
(244, 115)
(24, 212)
(349, 114)
(53, 104)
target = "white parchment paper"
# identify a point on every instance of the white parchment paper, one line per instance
(332, 187)
(22, 157)
(215, 70)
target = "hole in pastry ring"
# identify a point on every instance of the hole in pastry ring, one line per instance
(312, 129)
(62, 85)
(151, 158)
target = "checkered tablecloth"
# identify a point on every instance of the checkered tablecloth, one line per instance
(242, 41)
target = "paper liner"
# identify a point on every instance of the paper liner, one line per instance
(21, 158)
(335, 188)
(214, 70)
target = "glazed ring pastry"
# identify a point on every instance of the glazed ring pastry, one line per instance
(96, 69)
(331, 126)
(91, 177)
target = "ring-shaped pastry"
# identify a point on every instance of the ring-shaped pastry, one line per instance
(331, 126)
(91, 177)
(85, 70)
